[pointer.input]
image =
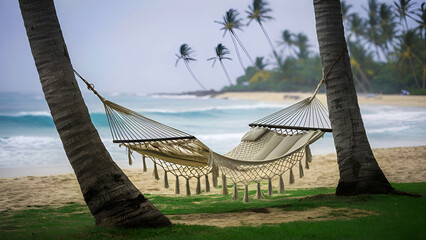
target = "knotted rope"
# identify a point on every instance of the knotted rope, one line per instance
(90, 86)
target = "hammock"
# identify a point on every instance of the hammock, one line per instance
(274, 145)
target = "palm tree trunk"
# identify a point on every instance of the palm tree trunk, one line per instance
(414, 72)
(226, 72)
(242, 47)
(193, 76)
(113, 200)
(359, 171)
(238, 52)
(270, 43)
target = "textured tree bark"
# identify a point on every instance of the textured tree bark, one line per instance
(113, 200)
(359, 171)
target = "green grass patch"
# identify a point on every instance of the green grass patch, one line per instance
(398, 217)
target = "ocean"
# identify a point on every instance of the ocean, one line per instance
(30, 145)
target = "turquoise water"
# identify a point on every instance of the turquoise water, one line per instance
(29, 141)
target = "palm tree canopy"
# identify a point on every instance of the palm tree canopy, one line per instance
(301, 42)
(258, 11)
(356, 25)
(231, 21)
(185, 52)
(403, 7)
(422, 18)
(221, 52)
(260, 64)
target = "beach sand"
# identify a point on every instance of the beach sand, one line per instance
(405, 164)
(369, 99)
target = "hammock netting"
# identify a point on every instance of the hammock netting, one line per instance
(274, 144)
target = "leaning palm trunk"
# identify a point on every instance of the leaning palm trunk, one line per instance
(237, 52)
(359, 171)
(113, 200)
(193, 75)
(243, 48)
(270, 44)
(226, 72)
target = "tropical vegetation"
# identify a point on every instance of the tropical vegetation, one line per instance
(387, 53)
(387, 45)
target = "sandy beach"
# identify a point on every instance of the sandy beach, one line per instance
(369, 99)
(399, 165)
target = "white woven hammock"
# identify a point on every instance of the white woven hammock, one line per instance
(274, 145)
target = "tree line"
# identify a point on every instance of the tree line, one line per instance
(387, 54)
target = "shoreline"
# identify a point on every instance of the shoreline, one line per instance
(400, 164)
(292, 97)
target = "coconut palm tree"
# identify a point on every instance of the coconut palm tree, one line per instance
(185, 52)
(356, 26)
(258, 11)
(387, 29)
(301, 42)
(373, 25)
(260, 64)
(287, 41)
(112, 199)
(230, 23)
(221, 52)
(421, 21)
(406, 54)
(359, 171)
(403, 8)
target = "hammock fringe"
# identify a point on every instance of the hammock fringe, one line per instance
(281, 185)
(246, 195)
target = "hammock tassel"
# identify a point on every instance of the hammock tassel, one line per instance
(308, 154)
(166, 180)
(144, 163)
(281, 184)
(207, 183)
(270, 187)
(291, 176)
(224, 185)
(246, 195)
(188, 190)
(198, 189)
(301, 174)
(259, 192)
(215, 175)
(156, 172)
(129, 154)
(235, 193)
(177, 186)
(307, 163)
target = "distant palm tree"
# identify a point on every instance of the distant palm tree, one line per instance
(373, 24)
(387, 28)
(260, 64)
(287, 41)
(301, 42)
(230, 23)
(405, 53)
(403, 7)
(185, 52)
(356, 26)
(258, 11)
(421, 21)
(221, 52)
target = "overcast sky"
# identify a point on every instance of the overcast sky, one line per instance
(130, 45)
